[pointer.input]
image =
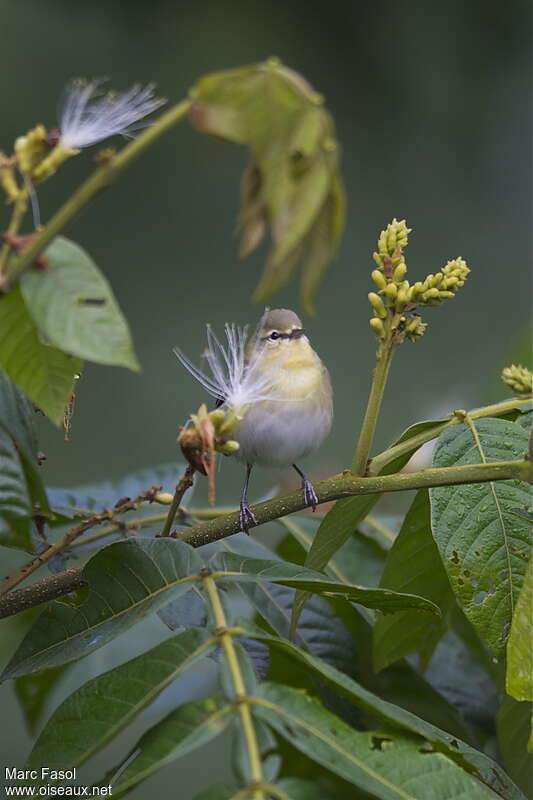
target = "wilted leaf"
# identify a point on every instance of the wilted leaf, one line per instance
(42, 371)
(293, 182)
(414, 565)
(519, 677)
(74, 307)
(96, 712)
(484, 547)
(127, 581)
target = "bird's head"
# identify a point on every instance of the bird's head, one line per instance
(281, 337)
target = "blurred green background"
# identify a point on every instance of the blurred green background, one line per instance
(431, 101)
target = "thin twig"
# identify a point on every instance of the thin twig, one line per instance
(103, 177)
(184, 483)
(375, 398)
(19, 209)
(108, 514)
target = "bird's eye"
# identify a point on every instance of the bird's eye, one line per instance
(274, 335)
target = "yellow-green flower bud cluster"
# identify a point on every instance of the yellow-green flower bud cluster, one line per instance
(224, 423)
(414, 327)
(519, 379)
(8, 182)
(440, 286)
(391, 243)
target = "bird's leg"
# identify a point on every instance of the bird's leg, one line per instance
(310, 496)
(246, 515)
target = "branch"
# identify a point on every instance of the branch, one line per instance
(375, 398)
(343, 485)
(125, 504)
(184, 483)
(346, 484)
(103, 177)
(379, 462)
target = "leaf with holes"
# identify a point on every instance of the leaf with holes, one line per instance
(484, 547)
(519, 676)
(43, 372)
(73, 305)
(413, 565)
(127, 581)
(188, 727)
(96, 712)
(389, 764)
(389, 714)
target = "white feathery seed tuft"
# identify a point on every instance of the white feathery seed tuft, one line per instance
(88, 115)
(237, 378)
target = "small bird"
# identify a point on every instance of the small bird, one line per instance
(279, 386)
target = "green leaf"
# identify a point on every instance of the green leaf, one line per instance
(73, 305)
(15, 501)
(33, 692)
(43, 372)
(95, 713)
(16, 417)
(84, 500)
(127, 581)
(239, 568)
(360, 559)
(342, 519)
(388, 764)
(179, 733)
(514, 725)
(319, 629)
(519, 676)
(293, 183)
(484, 547)
(298, 789)
(413, 565)
(475, 761)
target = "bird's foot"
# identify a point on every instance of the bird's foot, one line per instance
(310, 496)
(246, 517)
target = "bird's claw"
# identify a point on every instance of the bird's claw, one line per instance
(246, 517)
(310, 496)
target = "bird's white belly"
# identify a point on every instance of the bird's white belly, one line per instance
(278, 433)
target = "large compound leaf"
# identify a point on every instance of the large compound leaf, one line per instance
(188, 727)
(519, 676)
(390, 714)
(485, 548)
(127, 581)
(73, 305)
(95, 713)
(238, 568)
(43, 372)
(388, 764)
(413, 565)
